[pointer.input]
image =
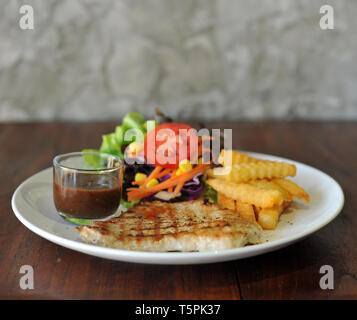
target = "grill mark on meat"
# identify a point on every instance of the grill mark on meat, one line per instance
(158, 228)
(140, 225)
(190, 215)
(173, 220)
(202, 229)
(184, 226)
(212, 224)
(122, 231)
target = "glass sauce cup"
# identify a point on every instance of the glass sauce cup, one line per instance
(87, 185)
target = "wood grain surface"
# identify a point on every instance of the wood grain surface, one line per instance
(289, 273)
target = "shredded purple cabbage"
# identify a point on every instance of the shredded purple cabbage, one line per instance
(190, 190)
(164, 178)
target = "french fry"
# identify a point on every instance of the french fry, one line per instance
(218, 173)
(294, 189)
(271, 185)
(247, 193)
(252, 171)
(268, 217)
(230, 158)
(245, 211)
(256, 189)
(226, 202)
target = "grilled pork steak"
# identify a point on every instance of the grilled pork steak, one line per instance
(180, 226)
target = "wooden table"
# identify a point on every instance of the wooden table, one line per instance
(289, 273)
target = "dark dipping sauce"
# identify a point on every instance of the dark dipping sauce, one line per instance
(87, 196)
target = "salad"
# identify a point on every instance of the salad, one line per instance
(146, 176)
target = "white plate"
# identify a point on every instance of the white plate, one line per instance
(33, 206)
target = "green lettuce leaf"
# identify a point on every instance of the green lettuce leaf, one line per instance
(78, 221)
(128, 204)
(133, 120)
(111, 145)
(119, 135)
(92, 160)
(210, 194)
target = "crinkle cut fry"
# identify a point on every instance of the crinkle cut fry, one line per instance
(226, 202)
(293, 188)
(247, 193)
(271, 185)
(230, 157)
(244, 210)
(268, 217)
(252, 171)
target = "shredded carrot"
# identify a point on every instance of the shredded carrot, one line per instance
(179, 187)
(199, 152)
(164, 173)
(156, 173)
(171, 189)
(202, 150)
(206, 138)
(139, 193)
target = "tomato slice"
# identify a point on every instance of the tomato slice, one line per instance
(169, 143)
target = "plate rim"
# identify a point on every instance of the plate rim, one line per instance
(148, 257)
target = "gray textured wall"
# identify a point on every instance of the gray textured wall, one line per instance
(208, 59)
